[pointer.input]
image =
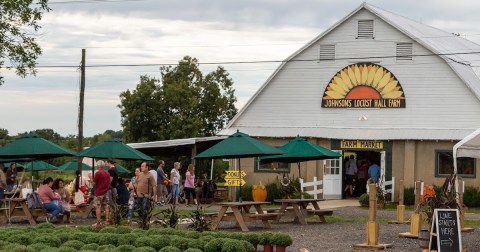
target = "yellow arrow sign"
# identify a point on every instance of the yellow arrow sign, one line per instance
(235, 174)
(234, 182)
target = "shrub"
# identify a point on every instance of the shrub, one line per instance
(253, 238)
(110, 230)
(231, 245)
(179, 242)
(127, 239)
(246, 193)
(15, 247)
(169, 249)
(90, 246)
(73, 244)
(265, 238)
(106, 239)
(363, 199)
(193, 250)
(409, 196)
(273, 192)
(159, 242)
(471, 197)
(50, 240)
(142, 241)
(214, 245)
(45, 226)
(66, 249)
(126, 248)
(37, 247)
(281, 239)
(123, 230)
(87, 237)
(108, 247)
(65, 236)
(196, 243)
(145, 249)
(23, 239)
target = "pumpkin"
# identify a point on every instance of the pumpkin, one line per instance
(259, 192)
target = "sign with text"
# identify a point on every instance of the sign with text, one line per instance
(235, 174)
(234, 182)
(361, 144)
(363, 85)
(446, 235)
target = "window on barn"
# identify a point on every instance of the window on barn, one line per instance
(365, 29)
(327, 52)
(444, 165)
(271, 167)
(404, 52)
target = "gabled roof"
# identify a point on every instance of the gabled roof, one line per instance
(459, 53)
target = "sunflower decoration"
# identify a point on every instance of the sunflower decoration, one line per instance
(364, 81)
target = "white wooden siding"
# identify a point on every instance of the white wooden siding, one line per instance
(435, 95)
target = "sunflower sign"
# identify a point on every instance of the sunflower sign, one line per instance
(363, 85)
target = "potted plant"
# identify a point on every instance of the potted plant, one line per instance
(281, 241)
(265, 240)
(429, 200)
(253, 238)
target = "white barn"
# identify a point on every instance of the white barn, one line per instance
(377, 85)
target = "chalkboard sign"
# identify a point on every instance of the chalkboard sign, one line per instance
(446, 235)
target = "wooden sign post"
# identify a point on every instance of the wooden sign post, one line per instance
(372, 224)
(416, 218)
(462, 209)
(400, 208)
(445, 235)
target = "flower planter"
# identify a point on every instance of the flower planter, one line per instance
(279, 248)
(267, 248)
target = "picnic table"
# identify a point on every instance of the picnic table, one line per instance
(241, 213)
(300, 210)
(18, 207)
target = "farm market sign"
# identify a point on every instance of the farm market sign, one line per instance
(361, 144)
(363, 85)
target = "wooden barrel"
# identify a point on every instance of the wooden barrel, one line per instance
(423, 239)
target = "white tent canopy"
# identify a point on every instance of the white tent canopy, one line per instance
(467, 147)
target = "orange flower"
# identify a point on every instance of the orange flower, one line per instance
(428, 192)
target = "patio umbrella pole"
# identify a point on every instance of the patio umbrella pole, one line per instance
(240, 178)
(299, 175)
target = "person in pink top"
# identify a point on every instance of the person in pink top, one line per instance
(101, 182)
(48, 196)
(189, 186)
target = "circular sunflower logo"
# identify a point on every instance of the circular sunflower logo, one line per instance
(373, 84)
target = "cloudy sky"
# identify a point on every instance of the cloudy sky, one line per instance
(142, 32)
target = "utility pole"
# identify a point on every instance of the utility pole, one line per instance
(80, 110)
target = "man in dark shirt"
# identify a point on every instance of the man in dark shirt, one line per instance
(112, 170)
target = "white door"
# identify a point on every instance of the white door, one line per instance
(332, 177)
(382, 168)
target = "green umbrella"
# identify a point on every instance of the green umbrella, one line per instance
(33, 147)
(239, 145)
(300, 150)
(40, 166)
(72, 166)
(114, 149)
(121, 169)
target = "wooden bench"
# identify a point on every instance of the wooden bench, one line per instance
(263, 216)
(321, 213)
(276, 209)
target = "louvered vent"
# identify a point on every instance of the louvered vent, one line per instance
(404, 51)
(327, 52)
(365, 29)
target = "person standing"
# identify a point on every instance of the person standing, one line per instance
(3, 182)
(131, 201)
(175, 178)
(112, 171)
(374, 172)
(145, 184)
(102, 183)
(362, 174)
(161, 179)
(351, 170)
(48, 196)
(189, 186)
(154, 175)
(11, 176)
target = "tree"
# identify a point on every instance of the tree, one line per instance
(184, 103)
(18, 23)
